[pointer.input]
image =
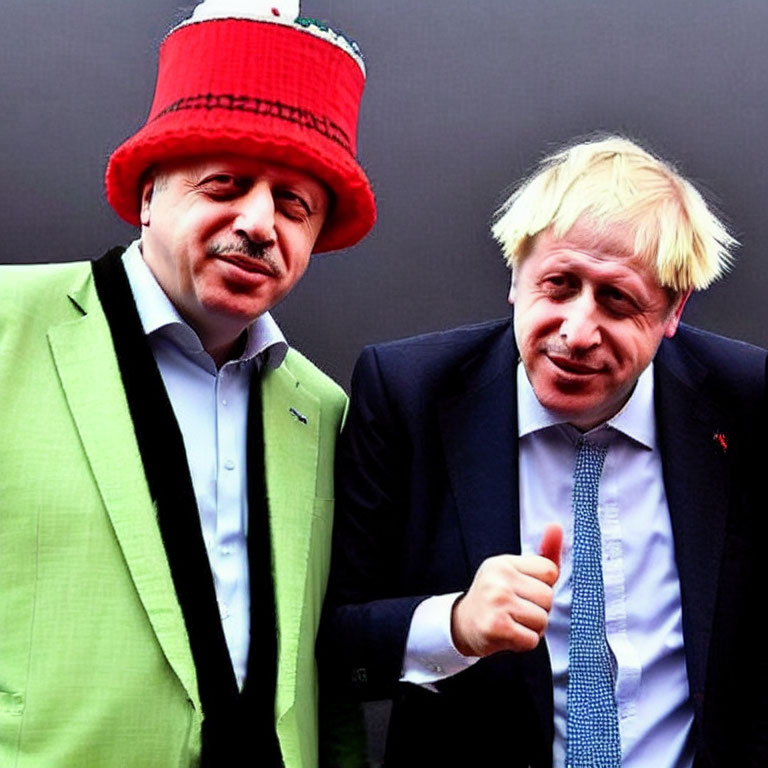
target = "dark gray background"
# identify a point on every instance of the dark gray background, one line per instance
(462, 99)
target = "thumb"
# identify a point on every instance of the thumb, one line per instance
(552, 543)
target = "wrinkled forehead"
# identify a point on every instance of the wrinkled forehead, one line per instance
(233, 163)
(590, 242)
(614, 239)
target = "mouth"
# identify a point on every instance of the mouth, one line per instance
(572, 367)
(252, 265)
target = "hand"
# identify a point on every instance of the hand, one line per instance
(507, 606)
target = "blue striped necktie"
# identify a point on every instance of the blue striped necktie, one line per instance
(593, 723)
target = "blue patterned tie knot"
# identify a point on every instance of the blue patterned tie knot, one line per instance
(593, 723)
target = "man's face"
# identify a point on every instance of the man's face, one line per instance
(227, 237)
(589, 317)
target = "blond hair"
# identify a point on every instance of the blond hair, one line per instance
(612, 181)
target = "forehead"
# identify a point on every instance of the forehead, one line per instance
(243, 165)
(605, 250)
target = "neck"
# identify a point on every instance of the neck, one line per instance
(224, 352)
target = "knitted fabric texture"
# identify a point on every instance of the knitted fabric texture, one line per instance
(593, 726)
(259, 89)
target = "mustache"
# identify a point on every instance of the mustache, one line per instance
(246, 247)
(556, 348)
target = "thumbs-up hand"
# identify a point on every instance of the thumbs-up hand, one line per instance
(552, 544)
(507, 605)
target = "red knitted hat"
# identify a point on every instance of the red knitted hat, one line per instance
(288, 93)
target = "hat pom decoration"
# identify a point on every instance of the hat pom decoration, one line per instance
(286, 11)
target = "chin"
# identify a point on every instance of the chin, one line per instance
(234, 305)
(573, 408)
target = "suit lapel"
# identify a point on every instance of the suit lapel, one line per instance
(90, 378)
(478, 427)
(291, 415)
(479, 431)
(697, 482)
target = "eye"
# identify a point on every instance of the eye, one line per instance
(616, 300)
(292, 204)
(223, 186)
(558, 286)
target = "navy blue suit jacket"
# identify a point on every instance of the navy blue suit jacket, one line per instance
(427, 489)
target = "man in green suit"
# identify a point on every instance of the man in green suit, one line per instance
(166, 487)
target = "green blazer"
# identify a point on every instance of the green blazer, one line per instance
(95, 664)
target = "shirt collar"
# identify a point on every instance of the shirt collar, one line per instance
(636, 419)
(159, 317)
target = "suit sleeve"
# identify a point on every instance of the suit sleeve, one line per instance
(366, 618)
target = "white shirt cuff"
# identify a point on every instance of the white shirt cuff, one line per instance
(429, 651)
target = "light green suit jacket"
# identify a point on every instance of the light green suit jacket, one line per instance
(95, 664)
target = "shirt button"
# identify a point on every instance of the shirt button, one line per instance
(224, 401)
(225, 550)
(437, 669)
(229, 464)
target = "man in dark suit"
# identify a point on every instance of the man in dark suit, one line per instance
(588, 473)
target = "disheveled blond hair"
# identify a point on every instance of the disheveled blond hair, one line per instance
(612, 181)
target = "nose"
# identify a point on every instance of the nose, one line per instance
(580, 329)
(256, 214)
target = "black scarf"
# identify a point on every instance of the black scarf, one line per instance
(235, 723)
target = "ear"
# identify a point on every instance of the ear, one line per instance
(512, 288)
(146, 198)
(673, 321)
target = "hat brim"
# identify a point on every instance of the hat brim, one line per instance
(353, 210)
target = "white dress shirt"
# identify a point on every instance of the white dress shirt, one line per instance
(211, 408)
(642, 589)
